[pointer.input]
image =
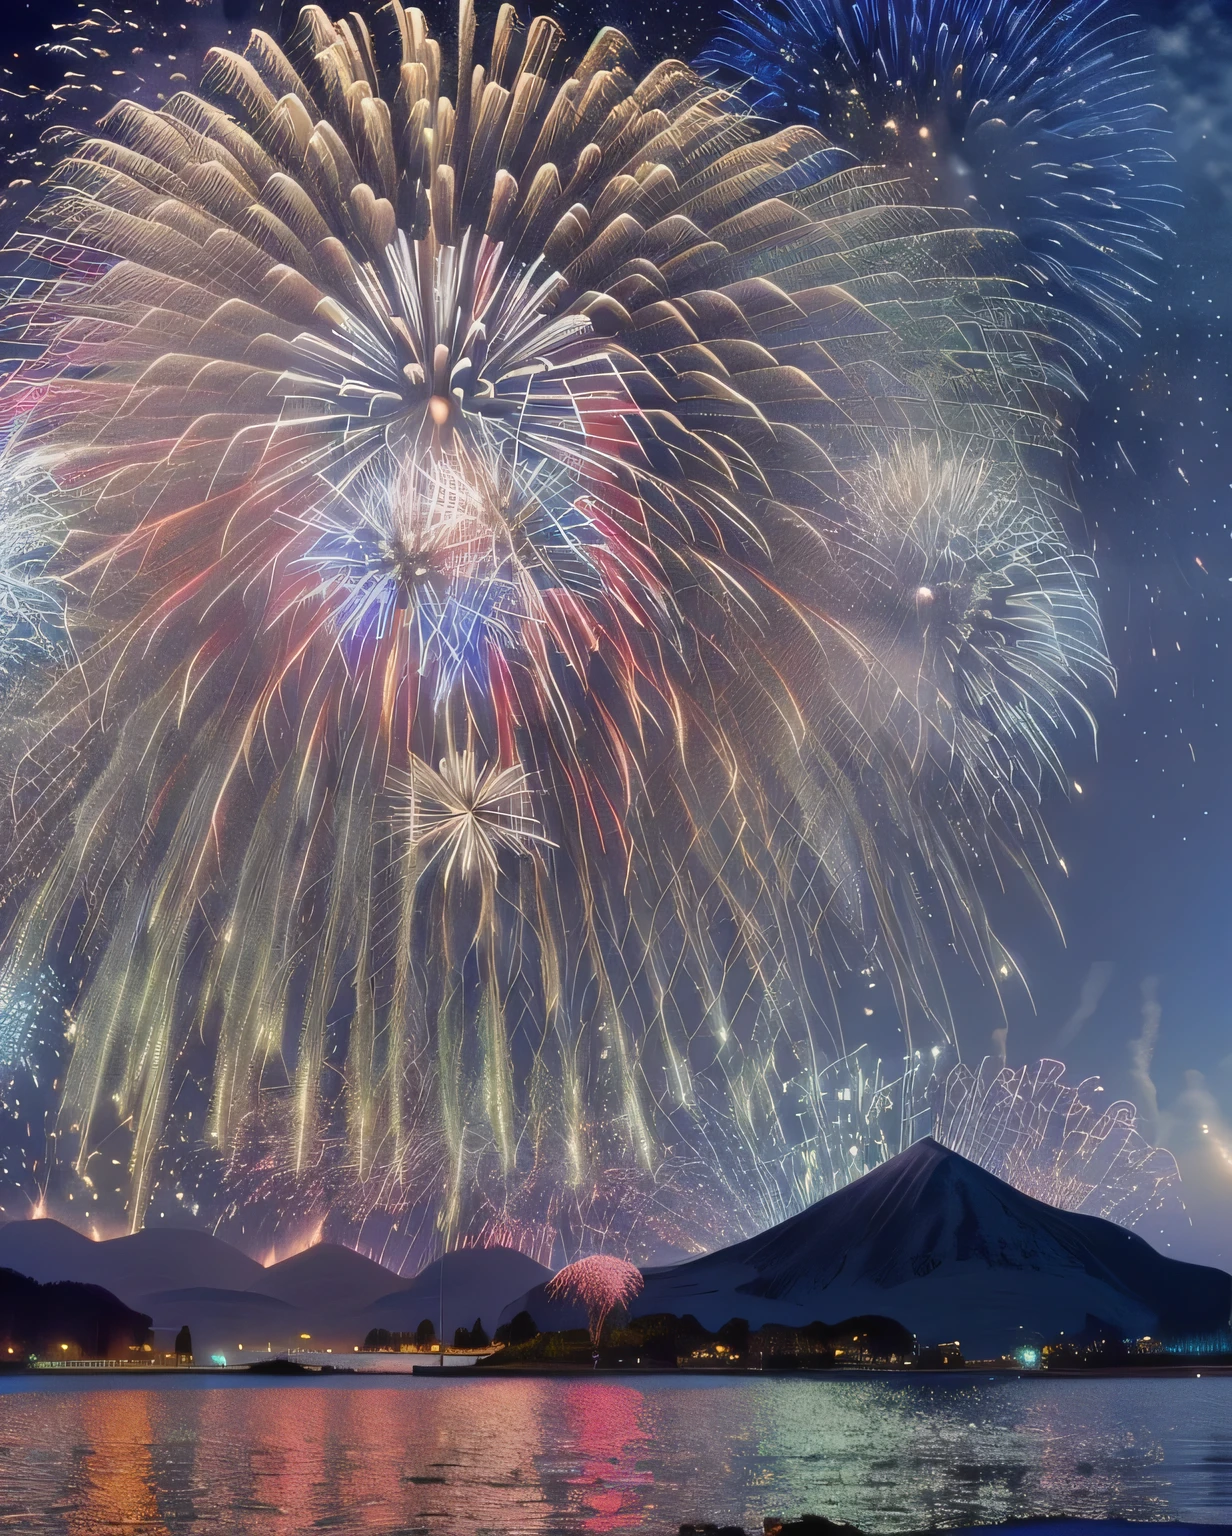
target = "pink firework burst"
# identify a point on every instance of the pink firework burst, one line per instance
(601, 1283)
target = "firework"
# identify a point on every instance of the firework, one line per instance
(1037, 113)
(1006, 631)
(27, 1012)
(32, 528)
(600, 1283)
(506, 680)
(1052, 1139)
(1047, 1138)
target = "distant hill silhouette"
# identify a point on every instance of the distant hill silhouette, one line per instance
(39, 1319)
(220, 1320)
(945, 1248)
(45, 1249)
(328, 1275)
(324, 1292)
(156, 1259)
(473, 1282)
(330, 1292)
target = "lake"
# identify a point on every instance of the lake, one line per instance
(220, 1454)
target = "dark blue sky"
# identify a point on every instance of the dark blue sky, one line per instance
(1149, 840)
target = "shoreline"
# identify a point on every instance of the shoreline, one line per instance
(547, 1371)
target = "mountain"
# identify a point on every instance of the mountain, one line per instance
(220, 1320)
(328, 1292)
(41, 1319)
(47, 1250)
(160, 1259)
(468, 1283)
(946, 1249)
(326, 1276)
(157, 1259)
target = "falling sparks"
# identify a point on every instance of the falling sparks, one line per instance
(1045, 1136)
(600, 1283)
(544, 591)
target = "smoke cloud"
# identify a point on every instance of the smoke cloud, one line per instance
(1093, 988)
(1141, 1052)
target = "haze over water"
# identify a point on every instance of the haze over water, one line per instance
(627, 1454)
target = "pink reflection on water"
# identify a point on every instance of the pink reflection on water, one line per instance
(606, 1422)
(207, 1458)
(284, 1438)
(363, 1459)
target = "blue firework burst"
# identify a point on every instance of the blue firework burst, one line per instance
(1034, 114)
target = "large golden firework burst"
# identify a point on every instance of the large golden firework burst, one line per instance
(511, 682)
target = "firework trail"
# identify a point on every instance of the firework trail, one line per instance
(558, 570)
(1051, 1139)
(1044, 1136)
(600, 1283)
(1037, 112)
(32, 529)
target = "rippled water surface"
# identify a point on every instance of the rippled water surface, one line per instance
(217, 1454)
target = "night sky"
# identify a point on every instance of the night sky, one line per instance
(1139, 991)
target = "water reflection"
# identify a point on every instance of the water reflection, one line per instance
(605, 1421)
(113, 1481)
(218, 1455)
